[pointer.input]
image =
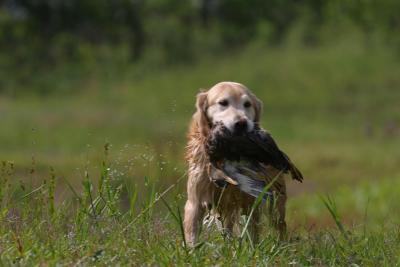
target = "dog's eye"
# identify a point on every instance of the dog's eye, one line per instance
(247, 104)
(223, 103)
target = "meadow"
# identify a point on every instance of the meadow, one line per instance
(83, 171)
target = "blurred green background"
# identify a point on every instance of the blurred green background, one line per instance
(75, 75)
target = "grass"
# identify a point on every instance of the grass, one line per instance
(105, 225)
(333, 109)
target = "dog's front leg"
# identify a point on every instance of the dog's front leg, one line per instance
(193, 215)
(200, 191)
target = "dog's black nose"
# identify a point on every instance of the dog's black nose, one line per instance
(240, 126)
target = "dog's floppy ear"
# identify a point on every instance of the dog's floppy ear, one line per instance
(258, 107)
(200, 116)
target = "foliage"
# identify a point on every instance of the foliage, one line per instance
(37, 36)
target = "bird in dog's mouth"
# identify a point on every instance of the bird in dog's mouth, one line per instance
(241, 158)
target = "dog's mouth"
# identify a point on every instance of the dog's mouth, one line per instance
(219, 129)
(224, 132)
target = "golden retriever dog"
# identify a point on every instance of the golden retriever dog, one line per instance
(238, 109)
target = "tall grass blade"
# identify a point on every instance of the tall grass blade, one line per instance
(331, 206)
(178, 219)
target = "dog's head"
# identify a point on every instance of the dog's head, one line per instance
(229, 103)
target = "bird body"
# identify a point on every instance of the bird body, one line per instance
(242, 159)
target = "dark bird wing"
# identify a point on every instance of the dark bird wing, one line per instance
(271, 154)
(294, 172)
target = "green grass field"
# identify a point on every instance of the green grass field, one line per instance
(334, 109)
